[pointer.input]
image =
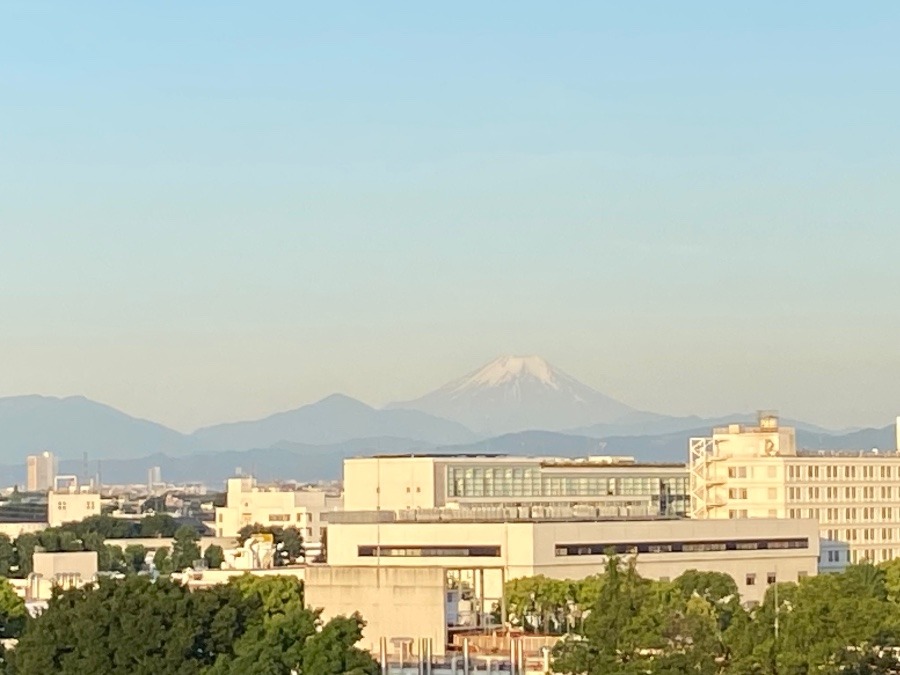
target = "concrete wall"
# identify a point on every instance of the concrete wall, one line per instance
(81, 563)
(389, 483)
(13, 530)
(395, 602)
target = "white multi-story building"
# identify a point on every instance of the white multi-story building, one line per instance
(757, 472)
(626, 487)
(41, 470)
(248, 503)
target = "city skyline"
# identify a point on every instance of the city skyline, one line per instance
(211, 217)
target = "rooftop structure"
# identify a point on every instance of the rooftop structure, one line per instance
(397, 482)
(248, 503)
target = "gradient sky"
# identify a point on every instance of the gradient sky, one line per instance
(215, 210)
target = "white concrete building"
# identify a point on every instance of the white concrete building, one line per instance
(71, 506)
(248, 503)
(757, 472)
(396, 482)
(755, 552)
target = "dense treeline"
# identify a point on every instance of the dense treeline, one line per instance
(618, 622)
(250, 626)
(90, 535)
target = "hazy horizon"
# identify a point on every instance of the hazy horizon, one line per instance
(212, 215)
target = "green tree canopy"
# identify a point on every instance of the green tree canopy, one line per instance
(252, 626)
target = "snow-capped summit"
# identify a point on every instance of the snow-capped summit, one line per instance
(516, 393)
(506, 368)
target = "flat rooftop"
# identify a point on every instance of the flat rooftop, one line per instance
(592, 461)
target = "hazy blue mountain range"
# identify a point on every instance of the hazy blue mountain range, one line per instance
(535, 409)
(323, 462)
(644, 424)
(74, 425)
(335, 419)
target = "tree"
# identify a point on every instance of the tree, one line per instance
(214, 556)
(25, 545)
(135, 557)
(186, 549)
(7, 556)
(12, 611)
(253, 627)
(332, 649)
(162, 561)
(158, 525)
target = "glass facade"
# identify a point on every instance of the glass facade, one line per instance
(530, 484)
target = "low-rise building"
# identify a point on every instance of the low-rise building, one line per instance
(69, 506)
(395, 482)
(755, 553)
(248, 503)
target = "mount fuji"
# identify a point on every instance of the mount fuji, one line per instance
(517, 393)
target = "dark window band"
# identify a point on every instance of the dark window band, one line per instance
(429, 551)
(622, 548)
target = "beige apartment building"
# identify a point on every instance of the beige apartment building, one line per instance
(248, 503)
(757, 472)
(620, 484)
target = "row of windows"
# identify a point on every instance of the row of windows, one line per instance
(429, 551)
(847, 515)
(680, 547)
(863, 493)
(832, 472)
(529, 482)
(863, 534)
(747, 472)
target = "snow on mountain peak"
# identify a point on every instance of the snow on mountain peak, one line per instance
(508, 368)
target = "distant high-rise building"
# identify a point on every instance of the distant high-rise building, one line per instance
(154, 476)
(41, 472)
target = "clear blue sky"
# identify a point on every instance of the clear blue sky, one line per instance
(215, 210)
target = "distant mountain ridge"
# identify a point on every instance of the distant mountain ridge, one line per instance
(516, 405)
(74, 425)
(515, 393)
(307, 462)
(334, 419)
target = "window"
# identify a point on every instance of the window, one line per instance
(625, 548)
(751, 579)
(773, 493)
(221, 518)
(771, 472)
(737, 493)
(279, 517)
(737, 472)
(770, 578)
(429, 551)
(802, 575)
